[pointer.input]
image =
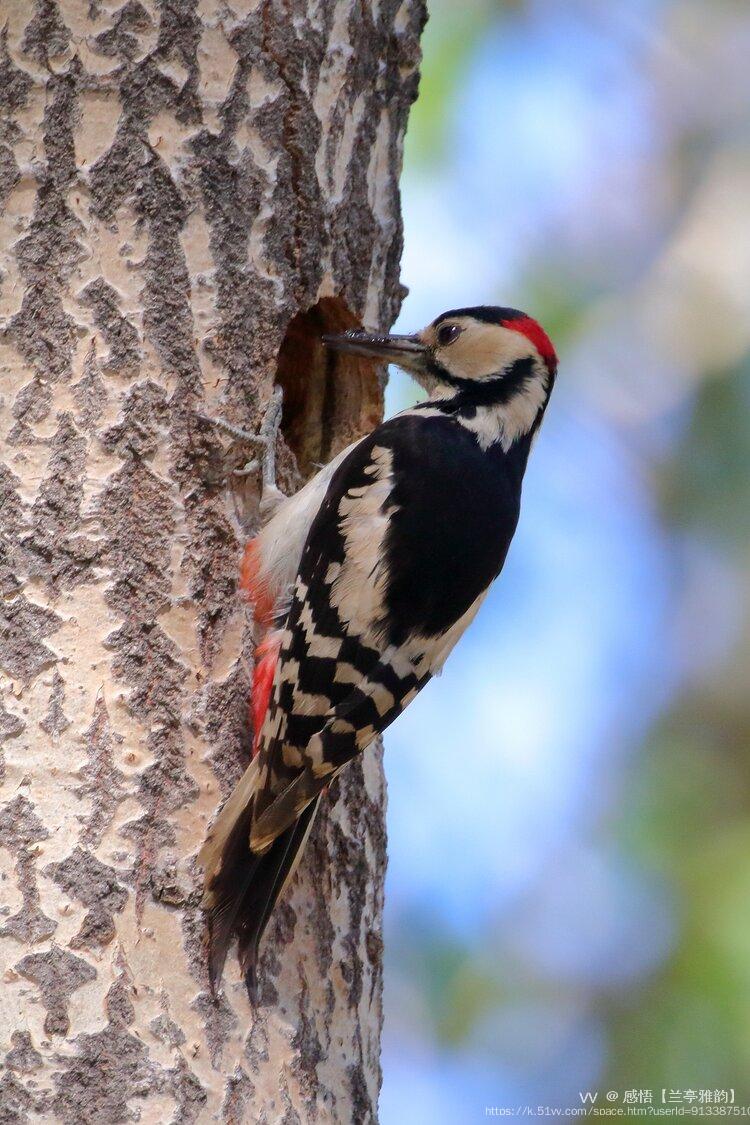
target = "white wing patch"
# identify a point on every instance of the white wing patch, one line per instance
(509, 420)
(359, 587)
(280, 543)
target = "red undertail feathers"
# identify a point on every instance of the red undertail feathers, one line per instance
(266, 656)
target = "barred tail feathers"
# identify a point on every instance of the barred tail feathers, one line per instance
(212, 854)
(270, 878)
(228, 866)
(242, 886)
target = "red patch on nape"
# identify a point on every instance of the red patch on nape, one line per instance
(254, 584)
(534, 332)
(266, 656)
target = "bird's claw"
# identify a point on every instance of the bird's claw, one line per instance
(265, 442)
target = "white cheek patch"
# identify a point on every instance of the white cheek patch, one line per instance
(520, 413)
(505, 422)
(510, 420)
(483, 350)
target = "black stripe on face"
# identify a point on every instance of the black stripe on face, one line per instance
(492, 390)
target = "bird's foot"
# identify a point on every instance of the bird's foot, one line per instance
(264, 442)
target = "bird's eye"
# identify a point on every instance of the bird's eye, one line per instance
(447, 333)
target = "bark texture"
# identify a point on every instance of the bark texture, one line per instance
(189, 191)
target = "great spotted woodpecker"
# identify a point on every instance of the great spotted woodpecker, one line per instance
(371, 573)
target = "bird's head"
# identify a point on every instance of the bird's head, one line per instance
(481, 356)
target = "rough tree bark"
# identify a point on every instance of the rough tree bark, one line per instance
(189, 191)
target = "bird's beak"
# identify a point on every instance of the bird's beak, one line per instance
(407, 351)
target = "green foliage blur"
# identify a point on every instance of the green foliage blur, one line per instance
(677, 803)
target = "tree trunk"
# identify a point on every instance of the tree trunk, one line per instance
(189, 192)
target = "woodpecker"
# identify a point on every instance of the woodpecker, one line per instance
(365, 579)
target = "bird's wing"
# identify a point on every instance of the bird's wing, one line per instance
(373, 613)
(349, 728)
(341, 678)
(337, 682)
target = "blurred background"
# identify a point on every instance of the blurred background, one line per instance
(568, 901)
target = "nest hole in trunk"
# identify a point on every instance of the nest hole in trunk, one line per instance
(330, 399)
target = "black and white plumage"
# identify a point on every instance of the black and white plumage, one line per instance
(373, 571)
